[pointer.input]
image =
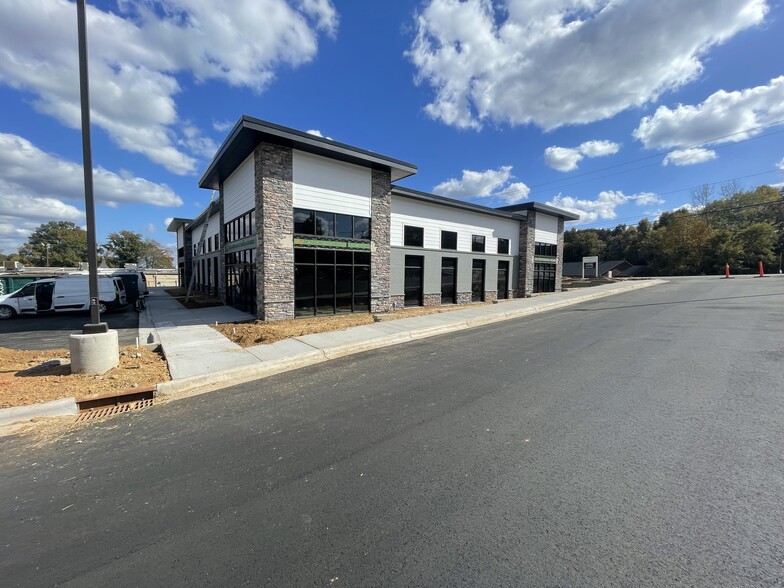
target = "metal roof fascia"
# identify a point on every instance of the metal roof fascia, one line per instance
(298, 140)
(543, 208)
(451, 202)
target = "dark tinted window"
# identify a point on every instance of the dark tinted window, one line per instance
(361, 227)
(448, 240)
(344, 226)
(503, 246)
(325, 224)
(303, 221)
(413, 236)
(477, 243)
(546, 249)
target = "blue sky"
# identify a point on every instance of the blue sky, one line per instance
(614, 109)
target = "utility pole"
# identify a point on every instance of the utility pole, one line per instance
(95, 325)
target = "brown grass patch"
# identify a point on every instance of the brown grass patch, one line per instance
(25, 380)
(261, 332)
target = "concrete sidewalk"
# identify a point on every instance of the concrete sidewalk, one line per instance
(200, 358)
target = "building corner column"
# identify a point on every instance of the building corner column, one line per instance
(560, 255)
(381, 250)
(274, 194)
(525, 278)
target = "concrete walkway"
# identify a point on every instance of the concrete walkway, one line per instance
(201, 358)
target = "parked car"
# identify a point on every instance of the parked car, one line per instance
(65, 294)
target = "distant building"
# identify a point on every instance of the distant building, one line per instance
(307, 226)
(620, 269)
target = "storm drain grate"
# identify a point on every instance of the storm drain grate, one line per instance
(105, 411)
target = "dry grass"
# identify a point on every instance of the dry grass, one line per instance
(25, 380)
(262, 333)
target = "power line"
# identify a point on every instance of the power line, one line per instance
(662, 152)
(614, 222)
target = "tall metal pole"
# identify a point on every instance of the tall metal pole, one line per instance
(89, 203)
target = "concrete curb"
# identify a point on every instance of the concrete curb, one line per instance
(61, 407)
(208, 382)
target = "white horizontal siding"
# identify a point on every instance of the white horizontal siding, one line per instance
(239, 194)
(546, 229)
(331, 186)
(434, 218)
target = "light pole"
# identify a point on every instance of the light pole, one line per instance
(95, 325)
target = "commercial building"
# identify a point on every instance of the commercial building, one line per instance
(305, 226)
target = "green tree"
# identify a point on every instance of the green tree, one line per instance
(579, 244)
(129, 247)
(156, 256)
(124, 247)
(63, 242)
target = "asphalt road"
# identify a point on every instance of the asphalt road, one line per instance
(50, 331)
(631, 441)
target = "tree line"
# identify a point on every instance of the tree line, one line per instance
(63, 244)
(739, 228)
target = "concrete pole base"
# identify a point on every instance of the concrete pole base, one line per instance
(95, 353)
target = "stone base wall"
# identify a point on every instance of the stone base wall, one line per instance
(431, 300)
(395, 303)
(491, 296)
(464, 297)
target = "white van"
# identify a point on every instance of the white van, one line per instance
(64, 294)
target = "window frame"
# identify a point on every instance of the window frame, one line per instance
(476, 240)
(407, 229)
(444, 233)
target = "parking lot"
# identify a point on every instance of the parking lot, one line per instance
(51, 331)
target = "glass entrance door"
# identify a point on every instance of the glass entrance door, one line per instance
(414, 280)
(448, 280)
(503, 280)
(478, 281)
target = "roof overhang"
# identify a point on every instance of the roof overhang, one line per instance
(543, 208)
(176, 223)
(249, 132)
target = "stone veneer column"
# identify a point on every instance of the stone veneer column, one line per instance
(525, 283)
(559, 263)
(381, 249)
(187, 251)
(221, 255)
(274, 232)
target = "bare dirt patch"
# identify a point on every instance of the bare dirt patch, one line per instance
(29, 377)
(252, 333)
(196, 300)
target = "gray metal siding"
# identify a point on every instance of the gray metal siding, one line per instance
(432, 277)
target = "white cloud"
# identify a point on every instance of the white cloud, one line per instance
(136, 53)
(566, 158)
(25, 167)
(689, 156)
(564, 61)
(562, 158)
(317, 133)
(603, 207)
(599, 148)
(491, 183)
(222, 126)
(167, 221)
(722, 113)
(780, 164)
